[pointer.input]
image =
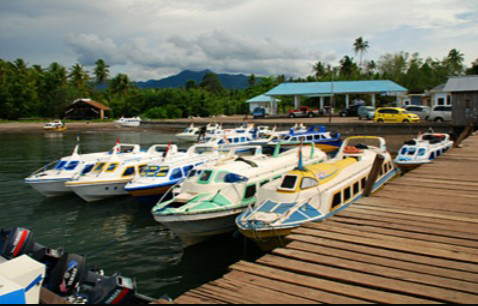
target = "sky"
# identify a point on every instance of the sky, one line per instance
(152, 39)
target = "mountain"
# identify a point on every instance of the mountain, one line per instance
(228, 81)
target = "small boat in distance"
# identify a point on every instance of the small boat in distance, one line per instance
(55, 125)
(314, 193)
(422, 150)
(327, 141)
(128, 122)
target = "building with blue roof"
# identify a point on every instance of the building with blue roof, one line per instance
(261, 101)
(330, 89)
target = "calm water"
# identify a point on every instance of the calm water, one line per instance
(117, 235)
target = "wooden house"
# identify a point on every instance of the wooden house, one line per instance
(464, 96)
(86, 109)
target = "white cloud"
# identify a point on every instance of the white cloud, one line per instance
(156, 37)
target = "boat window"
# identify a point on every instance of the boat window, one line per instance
(243, 139)
(289, 182)
(286, 138)
(347, 194)
(337, 200)
(356, 188)
(221, 141)
(404, 151)
(205, 177)
(364, 182)
(141, 167)
(72, 165)
(129, 171)
(263, 183)
(308, 182)
(412, 151)
(317, 137)
(432, 156)
(250, 191)
(187, 169)
(301, 138)
(99, 167)
(176, 174)
(220, 176)
(60, 165)
(112, 167)
(87, 169)
(310, 137)
(163, 171)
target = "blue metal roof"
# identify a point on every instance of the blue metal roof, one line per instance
(339, 87)
(260, 98)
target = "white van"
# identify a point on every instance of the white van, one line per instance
(440, 113)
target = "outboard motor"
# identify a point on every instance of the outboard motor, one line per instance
(16, 242)
(67, 275)
(114, 289)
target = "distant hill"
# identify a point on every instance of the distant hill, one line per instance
(229, 81)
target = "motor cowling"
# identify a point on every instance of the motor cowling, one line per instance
(112, 290)
(16, 242)
(68, 274)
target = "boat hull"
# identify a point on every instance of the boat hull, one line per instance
(188, 138)
(193, 229)
(149, 195)
(98, 192)
(410, 166)
(50, 188)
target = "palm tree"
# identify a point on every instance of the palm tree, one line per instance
(454, 61)
(101, 71)
(360, 46)
(120, 84)
(319, 70)
(58, 73)
(78, 76)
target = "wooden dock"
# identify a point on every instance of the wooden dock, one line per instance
(414, 241)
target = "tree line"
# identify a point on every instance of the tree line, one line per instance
(45, 92)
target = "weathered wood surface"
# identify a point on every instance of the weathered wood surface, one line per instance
(414, 241)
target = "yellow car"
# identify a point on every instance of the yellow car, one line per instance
(395, 115)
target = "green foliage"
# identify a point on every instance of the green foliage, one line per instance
(36, 92)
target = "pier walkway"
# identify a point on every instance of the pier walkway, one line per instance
(414, 241)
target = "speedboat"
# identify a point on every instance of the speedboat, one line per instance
(422, 150)
(228, 140)
(128, 122)
(193, 133)
(56, 125)
(160, 175)
(207, 203)
(314, 193)
(109, 175)
(50, 180)
(325, 140)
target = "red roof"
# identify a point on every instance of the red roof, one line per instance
(94, 104)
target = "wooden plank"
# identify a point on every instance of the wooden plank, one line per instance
(455, 268)
(346, 289)
(432, 185)
(439, 181)
(377, 267)
(363, 279)
(431, 236)
(402, 218)
(428, 199)
(425, 190)
(394, 245)
(411, 227)
(467, 252)
(319, 296)
(422, 213)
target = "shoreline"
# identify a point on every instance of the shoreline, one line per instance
(15, 127)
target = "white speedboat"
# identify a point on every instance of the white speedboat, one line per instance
(109, 175)
(228, 140)
(313, 193)
(207, 204)
(128, 122)
(193, 133)
(50, 180)
(422, 150)
(56, 125)
(160, 175)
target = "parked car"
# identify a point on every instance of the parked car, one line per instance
(366, 112)
(420, 110)
(395, 115)
(259, 112)
(303, 111)
(352, 111)
(440, 114)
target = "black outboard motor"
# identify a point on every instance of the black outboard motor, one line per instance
(68, 275)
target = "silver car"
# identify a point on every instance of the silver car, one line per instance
(366, 112)
(440, 113)
(422, 111)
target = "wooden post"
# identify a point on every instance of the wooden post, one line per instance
(466, 132)
(373, 175)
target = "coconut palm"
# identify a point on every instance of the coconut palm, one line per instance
(360, 47)
(101, 71)
(319, 70)
(120, 84)
(78, 76)
(454, 61)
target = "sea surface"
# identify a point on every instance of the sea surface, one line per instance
(116, 235)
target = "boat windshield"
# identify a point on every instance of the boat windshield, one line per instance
(422, 152)
(289, 182)
(205, 177)
(412, 151)
(404, 151)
